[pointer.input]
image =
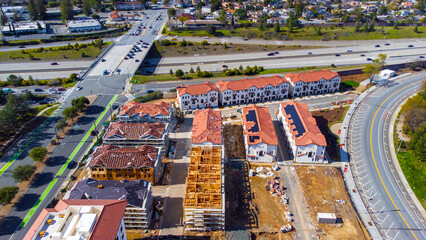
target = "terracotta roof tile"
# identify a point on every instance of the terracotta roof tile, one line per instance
(196, 89)
(258, 126)
(311, 76)
(207, 126)
(245, 83)
(142, 109)
(135, 131)
(114, 157)
(311, 134)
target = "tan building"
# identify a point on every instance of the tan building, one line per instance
(114, 163)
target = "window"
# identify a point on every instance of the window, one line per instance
(260, 153)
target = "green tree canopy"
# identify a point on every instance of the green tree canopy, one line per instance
(171, 12)
(179, 73)
(23, 173)
(66, 10)
(38, 153)
(70, 113)
(7, 194)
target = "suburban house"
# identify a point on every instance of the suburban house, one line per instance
(305, 140)
(130, 5)
(259, 89)
(81, 219)
(207, 127)
(313, 83)
(146, 112)
(259, 135)
(137, 193)
(197, 96)
(83, 25)
(136, 134)
(111, 162)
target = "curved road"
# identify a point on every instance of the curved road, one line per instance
(391, 207)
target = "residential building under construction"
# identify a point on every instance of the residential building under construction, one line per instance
(204, 204)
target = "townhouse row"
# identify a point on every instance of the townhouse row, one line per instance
(261, 89)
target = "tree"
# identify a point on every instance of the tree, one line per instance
(241, 13)
(7, 194)
(14, 80)
(23, 173)
(345, 18)
(38, 153)
(32, 12)
(222, 17)
(277, 27)
(96, 16)
(416, 30)
(62, 123)
(70, 113)
(372, 69)
(371, 28)
(395, 26)
(299, 8)
(80, 103)
(66, 10)
(171, 72)
(211, 29)
(420, 5)
(171, 12)
(191, 71)
(365, 28)
(198, 69)
(87, 10)
(357, 27)
(40, 9)
(179, 73)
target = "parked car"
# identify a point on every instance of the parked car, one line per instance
(93, 133)
(103, 60)
(52, 90)
(71, 164)
(7, 90)
(113, 107)
(61, 89)
(118, 70)
(349, 50)
(79, 88)
(105, 72)
(38, 90)
(137, 60)
(54, 63)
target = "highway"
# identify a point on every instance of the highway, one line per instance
(75, 143)
(381, 190)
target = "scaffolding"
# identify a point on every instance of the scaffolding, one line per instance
(204, 194)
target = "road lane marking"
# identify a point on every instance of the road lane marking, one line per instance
(7, 165)
(374, 159)
(52, 183)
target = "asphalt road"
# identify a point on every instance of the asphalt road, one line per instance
(380, 187)
(72, 147)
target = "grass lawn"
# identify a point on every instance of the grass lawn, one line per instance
(415, 173)
(91, 52)
(217, 49)
(40, 108)
(309, 33)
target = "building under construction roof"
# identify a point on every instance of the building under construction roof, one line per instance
(204, 207)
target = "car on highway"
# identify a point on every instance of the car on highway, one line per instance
(349, 50)
(206, 38)
(149, 91)
(276, 52)
(7, 90)
(25, 90)
(103, 60)
(79, 88)
(362, 55)
(369, 59)
(337, 55)
(224, 66)
(410, 45)
(54, 63)
(125, 58)
(421, 56)
(22, 46)
(38, 90)
(377, 45)
(271, 54)
(309, 53)
(245, 39)
(61, 89)
(387, 44)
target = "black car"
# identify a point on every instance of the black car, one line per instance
(422, 57)
(387, 44)
(362, 55)
(93, 133)
(113, 107)
(22, 46)
(71, 164)
(369, 59)
(337, 55)
(377, 45)
(410, 46)
(38, 90)
(271, 54)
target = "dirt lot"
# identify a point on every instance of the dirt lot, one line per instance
(322, 186)
(234, 142)
(249, 206)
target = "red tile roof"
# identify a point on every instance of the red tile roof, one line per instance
(135, 131)
(141, 109)
(311, 76)
(312, 133)
(114, 157)
(196, 89)
(106, 226)
(258, 126)
(245, 83)
(207, 126)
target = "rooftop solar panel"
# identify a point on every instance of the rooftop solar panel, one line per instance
(251, 116)
(253, 138)
(291, 110)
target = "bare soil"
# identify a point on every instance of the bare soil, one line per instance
(234, 141)
(322, 186)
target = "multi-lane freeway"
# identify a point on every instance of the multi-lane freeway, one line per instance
(389, 205)
(108, 89)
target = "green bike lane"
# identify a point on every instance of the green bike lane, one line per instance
(45, 187)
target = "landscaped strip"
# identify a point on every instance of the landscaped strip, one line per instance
(36, 205)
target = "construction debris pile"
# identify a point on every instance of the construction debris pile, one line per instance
(203, 205)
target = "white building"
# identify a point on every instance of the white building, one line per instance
(305, 140)
(81, 219)
(197, 96)
(83, 25)
(259, 135)
(313, 83)
(20, 28)
(259, 89)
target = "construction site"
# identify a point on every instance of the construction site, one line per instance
(204, 208)
(325, 192)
